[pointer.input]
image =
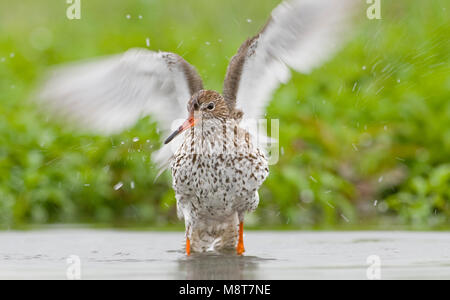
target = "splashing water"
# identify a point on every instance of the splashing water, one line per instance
(118, 186)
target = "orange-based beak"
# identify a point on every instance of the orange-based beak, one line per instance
(186, 125)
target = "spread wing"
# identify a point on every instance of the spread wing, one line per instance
(110, 94)
(300, 34)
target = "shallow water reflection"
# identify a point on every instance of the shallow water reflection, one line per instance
(202, 266)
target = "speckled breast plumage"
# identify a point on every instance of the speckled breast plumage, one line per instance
(216, 175)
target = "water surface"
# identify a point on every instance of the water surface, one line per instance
(106, 254)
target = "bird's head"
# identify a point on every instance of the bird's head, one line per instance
(203, 105)
(207, 104)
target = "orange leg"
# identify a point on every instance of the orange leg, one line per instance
(188, 247)
(240, 246)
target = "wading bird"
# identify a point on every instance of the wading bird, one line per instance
(217, 167)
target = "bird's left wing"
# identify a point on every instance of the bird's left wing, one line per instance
(300, 34)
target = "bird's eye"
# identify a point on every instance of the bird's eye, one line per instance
(210, 106)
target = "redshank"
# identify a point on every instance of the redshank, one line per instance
(218, 166)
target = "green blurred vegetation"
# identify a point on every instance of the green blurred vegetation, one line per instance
(365, 139)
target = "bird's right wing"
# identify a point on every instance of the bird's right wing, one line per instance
(110, 94)
(300, 34)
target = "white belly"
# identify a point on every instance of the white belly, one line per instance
(218, 185)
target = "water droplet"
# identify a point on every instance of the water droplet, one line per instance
(379, 90)
(118, 186)
(147, 42)
(330, 205)
(128, 16)
(345, 218)
(307, 196)
(207, 43)
(12, 54)
(382, 207)
(135, 139)
(140, 17)
(132, 185)
(249, 20)
(364, 67)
